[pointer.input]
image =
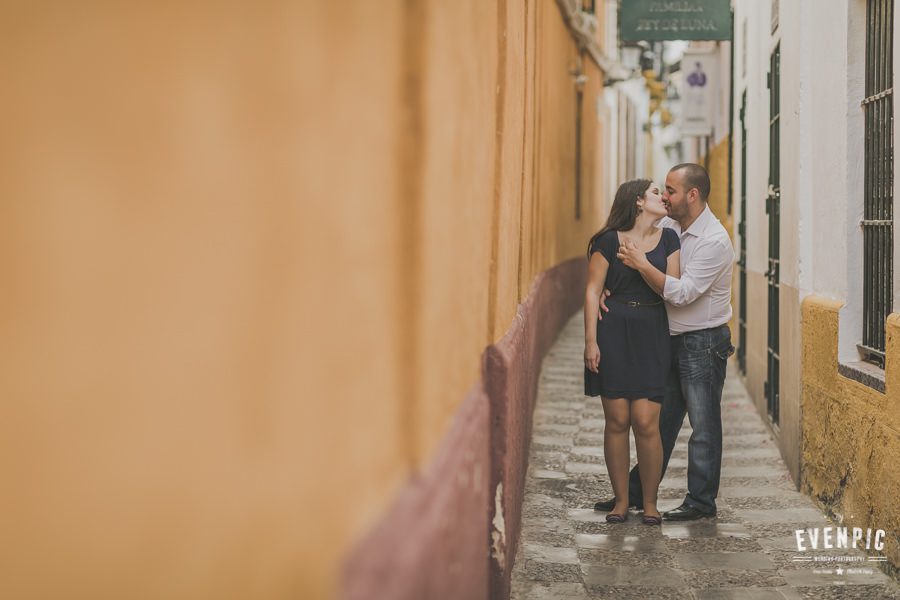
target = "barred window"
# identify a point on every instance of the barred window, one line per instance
(878, 213)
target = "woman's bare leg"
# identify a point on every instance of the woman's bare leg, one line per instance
(616, 448)
(645, 423)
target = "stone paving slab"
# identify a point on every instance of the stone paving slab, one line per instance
(569, 552)
(786, 593)
(620, 543)
(810, 517)
(724, 560)
(598, 575)
(705, 528)
(546, 590)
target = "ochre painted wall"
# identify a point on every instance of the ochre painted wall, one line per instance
(717, 167)
(718, 176)
(203, 368)
(850, 432)
(252, 256)
(454, 171)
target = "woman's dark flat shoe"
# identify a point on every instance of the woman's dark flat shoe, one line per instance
(616, 518)
(651, 520)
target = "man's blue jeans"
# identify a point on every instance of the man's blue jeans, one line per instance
(694, 388)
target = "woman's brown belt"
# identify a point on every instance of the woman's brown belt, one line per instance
(634, 303)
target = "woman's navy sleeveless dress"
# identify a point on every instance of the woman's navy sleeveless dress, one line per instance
(634, 340)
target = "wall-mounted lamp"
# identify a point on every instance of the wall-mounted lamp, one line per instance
(647, 60)
(632, 54)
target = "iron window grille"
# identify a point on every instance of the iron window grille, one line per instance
(878, 214)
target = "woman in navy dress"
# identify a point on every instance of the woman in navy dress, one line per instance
(626, 355)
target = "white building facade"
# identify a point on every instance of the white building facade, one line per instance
(812, 146)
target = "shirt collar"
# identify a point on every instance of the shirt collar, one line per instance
(701, 224)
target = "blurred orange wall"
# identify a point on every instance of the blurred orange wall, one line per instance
(252, 254)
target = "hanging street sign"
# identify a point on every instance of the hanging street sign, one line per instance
(655, 20)
(699, 83)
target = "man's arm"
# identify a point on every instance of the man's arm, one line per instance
(632, 257)
(707, 263)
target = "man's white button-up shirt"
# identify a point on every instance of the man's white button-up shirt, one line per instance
(702, 297)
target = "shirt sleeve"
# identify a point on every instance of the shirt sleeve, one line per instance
(671, 241)
(606, 245)
(708, 261)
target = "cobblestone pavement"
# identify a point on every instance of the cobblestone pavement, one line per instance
(569, 552)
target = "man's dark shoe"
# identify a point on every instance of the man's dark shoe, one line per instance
(685, 513)
(608, 505)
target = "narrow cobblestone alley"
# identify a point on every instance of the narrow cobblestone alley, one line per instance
(568, 551)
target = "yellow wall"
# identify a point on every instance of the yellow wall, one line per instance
(851, 432)
(251, 258)
(718, 175)
(717, 167)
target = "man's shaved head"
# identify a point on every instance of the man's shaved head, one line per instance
(694, 176)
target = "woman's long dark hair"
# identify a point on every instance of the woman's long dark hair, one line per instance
(624, 210)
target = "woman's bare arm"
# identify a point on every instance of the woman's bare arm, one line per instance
(673, 265)
(597, 270)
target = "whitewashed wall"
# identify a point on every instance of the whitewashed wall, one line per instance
(822, 147)
(756, 13)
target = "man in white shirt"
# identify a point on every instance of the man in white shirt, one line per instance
(699, 308)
